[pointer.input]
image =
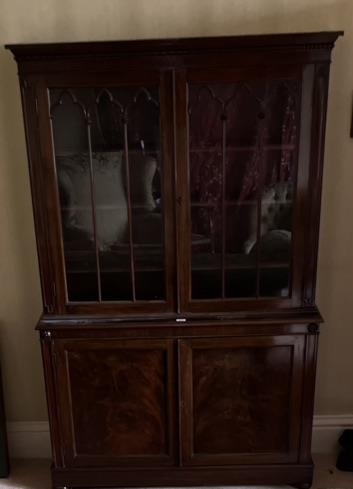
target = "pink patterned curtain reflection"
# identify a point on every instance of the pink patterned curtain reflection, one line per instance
(260, 136)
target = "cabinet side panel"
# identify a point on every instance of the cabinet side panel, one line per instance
(319, 106)
(52, 401)
(303, 192)
(30, 115)
(49, 189)
(311, 348)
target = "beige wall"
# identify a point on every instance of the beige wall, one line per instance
(70, 20)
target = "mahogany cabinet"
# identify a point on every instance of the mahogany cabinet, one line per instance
(176, 192)
(117, 401)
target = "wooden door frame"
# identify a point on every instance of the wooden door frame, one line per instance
(301, 261)
(60, 348)
(186, 347)
(44, 170)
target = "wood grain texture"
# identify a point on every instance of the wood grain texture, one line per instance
(240, 399)
(116, 400)
(181, 391)
(119, 407)
(237, 395)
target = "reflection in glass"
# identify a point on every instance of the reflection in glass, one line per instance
(242, 158)
(107, 151)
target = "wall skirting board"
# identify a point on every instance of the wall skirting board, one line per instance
(327, 429)
(31, 439)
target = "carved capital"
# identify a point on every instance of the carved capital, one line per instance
(313, 328)
(46, 335)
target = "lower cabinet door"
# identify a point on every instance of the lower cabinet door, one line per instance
(116, 401)
(241, 399)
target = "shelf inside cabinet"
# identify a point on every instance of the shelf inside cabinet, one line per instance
(115, 270)
(242, 148)
(236, 203)
(108, 207)
(232, 261)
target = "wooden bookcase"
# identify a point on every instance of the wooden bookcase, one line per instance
(176, 192)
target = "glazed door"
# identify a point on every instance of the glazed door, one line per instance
(241, 399)
(239, 214)
(108, 161)
(116, 401)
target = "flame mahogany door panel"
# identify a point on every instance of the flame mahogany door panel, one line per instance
(116, 401)
(241, 399)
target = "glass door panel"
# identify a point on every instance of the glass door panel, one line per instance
(109, 172)
(242, 171)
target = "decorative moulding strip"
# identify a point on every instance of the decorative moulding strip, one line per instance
(333, 421)
(31, 439)
(275, 42)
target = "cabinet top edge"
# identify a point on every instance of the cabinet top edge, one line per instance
(296, 41)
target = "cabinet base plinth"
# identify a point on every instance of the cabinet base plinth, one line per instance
(296, 475)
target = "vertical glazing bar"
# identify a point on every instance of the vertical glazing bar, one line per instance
(224, 142)
(93, 204)
(128, 196)
(259, 216)
(261, 161)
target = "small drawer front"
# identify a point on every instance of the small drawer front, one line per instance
(116, 401)
(241, 399)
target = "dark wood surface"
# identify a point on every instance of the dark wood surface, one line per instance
(291, 42)
(179, 391)
(173, 83)
(268, 474)
(218, 396)
(184, 79)
(117, 401)
(236, 394)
